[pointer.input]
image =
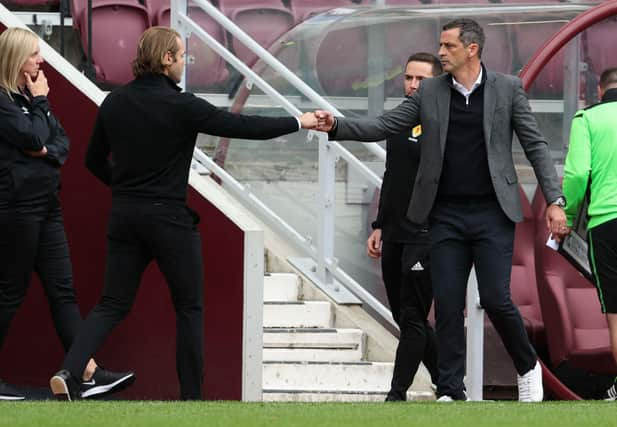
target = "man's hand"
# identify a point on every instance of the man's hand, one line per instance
(373, 244)
(41, 153)
(39, 86)
(325, 120)
(556, 222)
(308, 120)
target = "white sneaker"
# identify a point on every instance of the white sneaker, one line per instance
(530, 385)
(447, 398)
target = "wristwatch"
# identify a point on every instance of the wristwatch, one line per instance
(559, 201)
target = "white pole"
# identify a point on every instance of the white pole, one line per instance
(475, 341)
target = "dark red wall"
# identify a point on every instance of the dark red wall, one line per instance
(145, 341)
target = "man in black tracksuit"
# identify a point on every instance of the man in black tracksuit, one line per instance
(142, 147)
(404, 247)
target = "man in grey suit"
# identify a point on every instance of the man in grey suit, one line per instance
(467, 188)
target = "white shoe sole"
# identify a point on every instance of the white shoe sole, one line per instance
(59, 388)
(95, 391)
(12, 397)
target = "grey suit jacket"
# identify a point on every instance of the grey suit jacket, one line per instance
(506, 109)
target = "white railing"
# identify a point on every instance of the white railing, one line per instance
(326, 269)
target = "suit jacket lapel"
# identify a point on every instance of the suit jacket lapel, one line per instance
(490, 98)
(443, 112)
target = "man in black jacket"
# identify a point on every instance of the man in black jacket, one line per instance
(142, 146)
(404, 247)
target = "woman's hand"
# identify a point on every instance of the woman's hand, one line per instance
(38, 87)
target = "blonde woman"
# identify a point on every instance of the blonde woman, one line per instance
(33, 147)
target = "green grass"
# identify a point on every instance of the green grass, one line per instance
(230, 414)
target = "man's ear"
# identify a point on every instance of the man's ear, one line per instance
(473, 49)
(167, 59)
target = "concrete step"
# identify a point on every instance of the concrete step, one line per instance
(360, 376)
(313, 344)
(306, 314)
(318, 396)
(282, 287)
(311, 355)
(316, 338)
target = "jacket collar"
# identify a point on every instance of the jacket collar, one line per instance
(610, 95)
(155, 79)
(490, 103)
(23, 97)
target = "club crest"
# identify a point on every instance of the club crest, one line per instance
(416, 131)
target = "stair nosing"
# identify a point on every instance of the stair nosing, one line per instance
(317, 362)
(299, 391)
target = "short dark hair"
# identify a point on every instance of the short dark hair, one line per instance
(470, 32)
(429, 58)
(608, 77)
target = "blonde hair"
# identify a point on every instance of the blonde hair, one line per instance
(16, 46)
(155, 42)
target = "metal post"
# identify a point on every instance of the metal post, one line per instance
(375, 68)
(325, 237)
(176, 23)
(376, 49)
(64, 11)
(475, 341)
(89, 68)
(571, 90)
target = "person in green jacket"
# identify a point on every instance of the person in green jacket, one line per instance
(591, 165)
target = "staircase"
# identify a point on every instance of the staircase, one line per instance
(307, 358)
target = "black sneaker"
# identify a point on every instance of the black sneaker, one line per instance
(610, 393)
(64, 386)
(104, 381)
(8, 392)
(394, 396)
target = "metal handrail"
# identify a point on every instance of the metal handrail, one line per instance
(300, 242)
(270, 91)
(243, 193)
(325, 259)
(238, 64)
(277, 66)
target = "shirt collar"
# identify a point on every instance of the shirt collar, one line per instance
(463, 90)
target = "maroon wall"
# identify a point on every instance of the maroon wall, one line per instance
(145, 341)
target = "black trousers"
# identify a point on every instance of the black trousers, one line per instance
(602, 254)
(137, 234)
(410, 296)
(32, 239)
(462, 235)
